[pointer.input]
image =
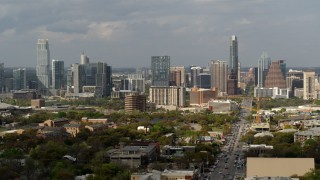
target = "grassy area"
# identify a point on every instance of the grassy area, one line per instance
(2, 129)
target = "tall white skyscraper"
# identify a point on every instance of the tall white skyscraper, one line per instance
(43, 65)
(57, 74)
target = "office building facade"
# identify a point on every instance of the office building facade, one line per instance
(309, 90)
(178, 76)
(160, 67)
(234, 63)
(19, 79)
(263, 67)
(135, 102)
(57, 74)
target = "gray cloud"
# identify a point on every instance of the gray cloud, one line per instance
(126, 33)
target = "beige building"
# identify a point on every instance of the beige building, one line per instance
(166, 175)
(72, 129)
(272, 167)
(167, 95)
(178, 76)
(37, 103)
(135, 102)
(199, 97)
(309, 85)
(218, 71)
(94, 121)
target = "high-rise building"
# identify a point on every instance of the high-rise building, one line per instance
(43, 65)
(92, 74)
(134, 82)
(263, 67)
(2, 78)
(219, 76)
(232, 85)
(160, 67)
(178, 76)
(309, 85)
(135, 102)
(57, 74)
(276, 75)
(234, 55)
(19, 79)
(195, 71)
(167, 95)
(84, 59)
(204, 81)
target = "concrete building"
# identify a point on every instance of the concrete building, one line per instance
(273, 167)
(276, 76)
(134, 82)
(219, 76)
(43, 66)
(234, 63)
(232, 84)
(135, 102)
(274, 92)
(133, 156)
(84, 59)
(57, 74)
(302, 136)
(219, 106)
(178, 76)
(160, 67)
(19, 79)
(167, 175)
(263, 67)
(200, 97)
(167, 95)
(309, 89)
(37, 103)
(194, 72)
(72, 129)
(94, 121)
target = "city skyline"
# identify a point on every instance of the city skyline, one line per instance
(188, 31)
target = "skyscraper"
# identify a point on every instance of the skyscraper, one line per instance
(160, 67)
(19, 79)
(234, 55)
(195, 71)
(57, 74)
(309, 85)
(276, 75)
(263, 66)
(219, 76)
(43, 65)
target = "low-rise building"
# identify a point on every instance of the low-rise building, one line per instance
(96, 127)
(222, 105)
(133, 156)
(55, 122)
(302, 136)
(94, 121)
(72, 129)
(166, 175)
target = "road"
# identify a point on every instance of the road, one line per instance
(230, 164)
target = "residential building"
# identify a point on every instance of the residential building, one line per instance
(135, 102)
(194, 72)
(309, 90)
(57, 74)
(160, 67)
(55, 122)
(72, 129)
(94, 121)
(167, 95)
(263, 67)
(234, 63)
(43, 65)
(219, 76)
(276, 76)
(134, 82)
(302, 136)
(19, 79)
(178, 76)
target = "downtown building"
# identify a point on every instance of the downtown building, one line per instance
(218, 71)
(160, 92)
(263, 67)
(43, 66)
(135, 102)
(92, 78)
(19, 79)
(57, 74)
(234, 66)
(178, 76)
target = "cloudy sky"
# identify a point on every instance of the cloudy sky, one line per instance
(126, 33)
